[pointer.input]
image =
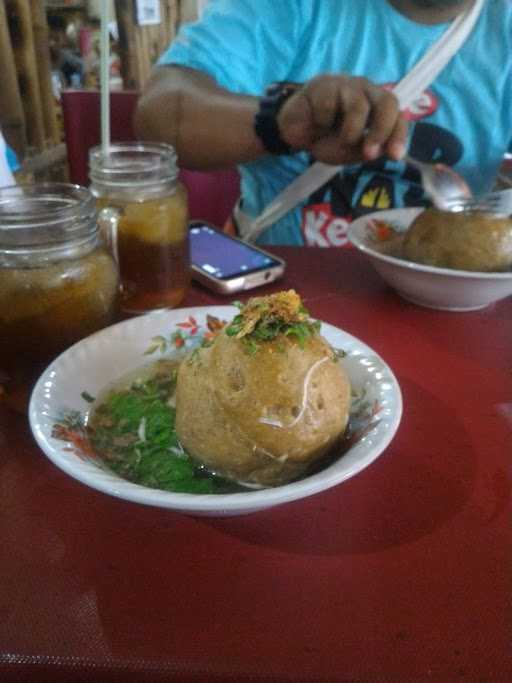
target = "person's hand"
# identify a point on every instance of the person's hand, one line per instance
(343, 120)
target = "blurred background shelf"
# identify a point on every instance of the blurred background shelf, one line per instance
(60, 4)
(40, 41)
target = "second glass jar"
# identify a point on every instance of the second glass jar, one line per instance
(145, 208)
(58, 283)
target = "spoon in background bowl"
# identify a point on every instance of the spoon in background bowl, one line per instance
(497, 203)
(442, 184)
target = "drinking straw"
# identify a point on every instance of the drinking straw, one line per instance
(104, 78)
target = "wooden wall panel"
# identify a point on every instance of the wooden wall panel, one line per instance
(22, 37)
(140, 46)
(28, 110)
(12, 114)
(44, 71)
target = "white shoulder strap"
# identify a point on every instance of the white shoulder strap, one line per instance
(407, 90)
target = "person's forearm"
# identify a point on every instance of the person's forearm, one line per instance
(208, 126)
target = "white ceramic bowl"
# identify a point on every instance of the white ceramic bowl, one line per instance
(94, 363)
(441, 288)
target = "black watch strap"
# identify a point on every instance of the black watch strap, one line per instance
(265, 119)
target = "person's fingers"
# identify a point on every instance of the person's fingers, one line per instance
(369, 116)
(397, 141)
(323, 95)
(339, 118)
(329, 151)
(313, 111)
(325, 106)
(356, 109)
(295, 121)
(385, 123)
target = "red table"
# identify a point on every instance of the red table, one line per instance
(400, 574)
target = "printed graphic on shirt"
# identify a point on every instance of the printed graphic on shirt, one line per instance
(381, 184)
(425, 105)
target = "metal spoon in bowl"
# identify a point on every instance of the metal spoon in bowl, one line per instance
(442, 184)
(497, 203)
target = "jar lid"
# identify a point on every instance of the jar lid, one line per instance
(44, 214)
(126, 164)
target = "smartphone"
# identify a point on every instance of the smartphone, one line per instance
(226, 264)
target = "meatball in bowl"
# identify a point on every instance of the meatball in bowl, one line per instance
(267, 399)
(443, 260)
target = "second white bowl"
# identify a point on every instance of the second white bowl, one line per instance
(440, 288)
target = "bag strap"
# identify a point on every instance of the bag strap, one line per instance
(407, 90)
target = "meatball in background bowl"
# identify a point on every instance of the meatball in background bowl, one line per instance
(460, 241)
(382, 236)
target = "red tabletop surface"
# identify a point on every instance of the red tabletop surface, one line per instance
(400, 574)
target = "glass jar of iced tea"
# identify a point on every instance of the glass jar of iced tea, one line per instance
(58, 282)
(136, 186)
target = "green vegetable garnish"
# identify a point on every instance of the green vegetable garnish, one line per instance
(264, 319)
(134, 430)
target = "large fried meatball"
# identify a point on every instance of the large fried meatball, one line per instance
(261, 417)
(463, 241)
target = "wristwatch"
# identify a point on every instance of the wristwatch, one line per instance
(265, 119)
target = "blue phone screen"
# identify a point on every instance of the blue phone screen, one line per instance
(219, 255)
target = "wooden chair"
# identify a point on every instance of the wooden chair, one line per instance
(212, 194)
